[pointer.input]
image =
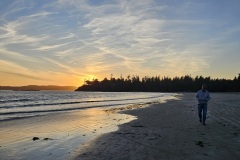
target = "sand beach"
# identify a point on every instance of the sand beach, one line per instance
(167, 129)
(55, 125)
(172, 131)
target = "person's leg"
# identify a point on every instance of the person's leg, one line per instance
(200, 112)
(204, 113)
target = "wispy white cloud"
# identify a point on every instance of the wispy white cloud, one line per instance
(16, 55)
(68, 36)
(81, 38)
(46, 48)
(11, 68)
(12, 34)
(137, 35)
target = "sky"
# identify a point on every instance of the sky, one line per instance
(64, 42)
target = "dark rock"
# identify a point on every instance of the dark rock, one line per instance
(199, 143)
(137, 126)
(45, 139)
(35, 138)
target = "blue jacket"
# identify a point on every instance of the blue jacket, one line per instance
(203, 97)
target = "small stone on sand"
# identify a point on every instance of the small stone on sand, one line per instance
(35, 138)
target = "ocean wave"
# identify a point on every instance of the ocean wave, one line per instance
(62, 110)
(16, 100)
(73, 102)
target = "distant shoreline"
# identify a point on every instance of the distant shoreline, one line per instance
(38, 88)
(27, 90)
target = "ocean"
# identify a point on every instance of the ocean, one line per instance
(69, 120)
(21, 104)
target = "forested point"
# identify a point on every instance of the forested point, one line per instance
(164, 84)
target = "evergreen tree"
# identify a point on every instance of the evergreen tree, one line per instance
(165, 84)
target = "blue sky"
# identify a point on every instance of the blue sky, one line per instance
(64, 42)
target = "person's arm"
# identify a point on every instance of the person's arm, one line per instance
(208, 97)
(197, 96)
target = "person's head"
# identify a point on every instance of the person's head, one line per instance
(204, 87)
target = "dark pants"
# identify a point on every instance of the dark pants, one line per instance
(202, 108)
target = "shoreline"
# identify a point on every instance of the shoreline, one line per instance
(60, 135)
(171, 130)
(153, 130)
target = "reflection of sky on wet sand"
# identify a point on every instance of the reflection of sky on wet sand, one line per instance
(68, 132)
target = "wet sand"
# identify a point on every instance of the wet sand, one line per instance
(60, 135)
(172, 131)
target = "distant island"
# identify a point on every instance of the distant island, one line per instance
(28, 90)
(164, 84)
(38, 88)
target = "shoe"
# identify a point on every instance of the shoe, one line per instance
(204, 124)
(200, 120)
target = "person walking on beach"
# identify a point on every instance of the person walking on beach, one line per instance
(203, 97)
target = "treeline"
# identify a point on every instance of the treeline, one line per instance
(164, 84)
